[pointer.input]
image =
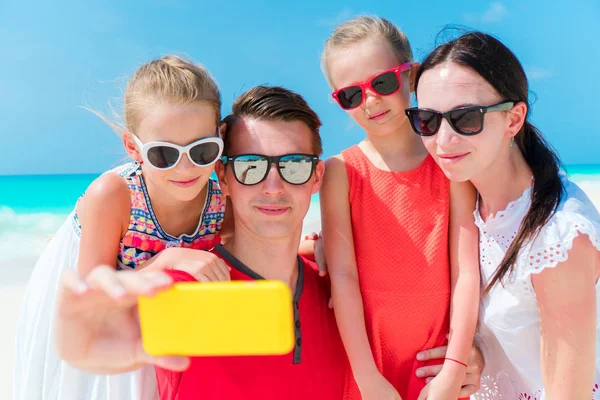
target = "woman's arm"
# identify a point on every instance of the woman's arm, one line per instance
(339, 251)
(104, 216)
(465, 285)
(566, 296)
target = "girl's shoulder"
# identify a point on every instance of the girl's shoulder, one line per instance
(113, 182)
(109, 194)
(127, 171)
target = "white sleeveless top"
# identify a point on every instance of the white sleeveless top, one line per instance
(509, 322)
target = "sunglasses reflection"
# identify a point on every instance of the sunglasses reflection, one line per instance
(243, 176)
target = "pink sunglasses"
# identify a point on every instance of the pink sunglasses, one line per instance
(384, 84)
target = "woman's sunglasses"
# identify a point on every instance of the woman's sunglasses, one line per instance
(464, 120)
(251, 169)
(165, 155)
(384, 84)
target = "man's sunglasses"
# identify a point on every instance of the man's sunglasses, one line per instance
(251, 169)
(464, 120)
(384, 84)
(165, 155)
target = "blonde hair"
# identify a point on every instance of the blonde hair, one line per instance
(170, 79)
(364, 28)
(167, 80)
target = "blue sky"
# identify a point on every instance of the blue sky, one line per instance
(63, 54)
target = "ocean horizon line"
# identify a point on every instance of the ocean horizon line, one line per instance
(87, 174)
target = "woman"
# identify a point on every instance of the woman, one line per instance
(539, 233)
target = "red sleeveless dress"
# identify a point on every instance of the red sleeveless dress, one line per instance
(400, 230)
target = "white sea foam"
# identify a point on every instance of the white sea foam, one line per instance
(591, 187)
(24, 236)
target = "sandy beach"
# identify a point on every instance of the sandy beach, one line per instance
(10, 302)
(15, 274)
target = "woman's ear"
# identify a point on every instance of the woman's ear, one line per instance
(517, 118)
(131, 147)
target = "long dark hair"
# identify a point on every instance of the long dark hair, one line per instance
(495, 63)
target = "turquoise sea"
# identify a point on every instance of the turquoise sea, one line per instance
(32, 207)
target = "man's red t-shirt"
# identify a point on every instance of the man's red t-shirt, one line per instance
(314, 370)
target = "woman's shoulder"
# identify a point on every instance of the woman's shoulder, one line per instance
(575, 215)
(574, 208)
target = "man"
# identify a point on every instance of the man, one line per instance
(270, 171)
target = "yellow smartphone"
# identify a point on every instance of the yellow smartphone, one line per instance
(219, 319)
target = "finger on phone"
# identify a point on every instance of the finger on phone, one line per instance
(432, 354)
(104, 279)
(173, 363)
(202, 278)
(429, 371)
(159, 278)
(144, 283)
(71, 281)
(330, 304)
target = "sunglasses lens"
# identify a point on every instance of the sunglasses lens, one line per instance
(386, 84)
(204, 153)
(425, 123)
(162, 157)
(296, 168)
(467, 121)
(350, 97)
(250, 169)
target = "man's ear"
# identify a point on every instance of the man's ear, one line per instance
(220, 170)
(131, 147)
(318, 176)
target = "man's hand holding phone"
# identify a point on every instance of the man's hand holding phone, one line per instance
(117, 321)
(96, 325)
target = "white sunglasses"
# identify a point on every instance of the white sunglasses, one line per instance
(165, 155)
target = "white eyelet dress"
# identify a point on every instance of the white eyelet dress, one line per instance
(509, 322)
